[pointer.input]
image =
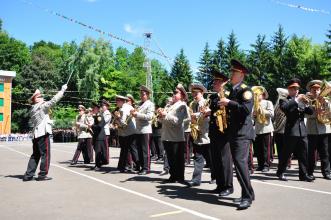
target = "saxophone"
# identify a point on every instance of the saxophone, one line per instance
(128, 119)
(260, 115)
(89, 128)
(117, 117)
(156, 117)
(194, 126)
(221, 117)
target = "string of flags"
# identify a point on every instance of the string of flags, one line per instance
(72, 20)
(302, 7)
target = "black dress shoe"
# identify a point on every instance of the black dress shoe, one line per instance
(27, 178)
(226, 192)
(154, 158)
(164, 172)
(306, 178)
(192, 183)
(183, 182)
(212, 181)
(73, 163)
(312, 176)
(214, 191)
(43, 178)
(244, 204)
(265, 169)
(97, 168)
(327, 176)
(143, 172)
(259, 169)
(170, 180)
(282, 177)
(237, 200)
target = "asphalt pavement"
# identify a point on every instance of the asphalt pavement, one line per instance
(77, 192)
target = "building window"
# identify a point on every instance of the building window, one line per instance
(1, 87)
(1, 102)
(1, 116)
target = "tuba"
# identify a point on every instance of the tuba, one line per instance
(280, 117)
(260, 115)
(323, 111)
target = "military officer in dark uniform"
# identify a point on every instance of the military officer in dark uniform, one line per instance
(295, 106)
(221, 159)
(99, 136)
(240, 130)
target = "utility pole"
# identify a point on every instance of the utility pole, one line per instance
(147, 63)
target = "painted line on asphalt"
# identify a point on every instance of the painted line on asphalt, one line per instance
(293, 187)
(257, 181)
(154, 164)
(166, 213)
(190, 211)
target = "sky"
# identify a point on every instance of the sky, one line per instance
(174, 24)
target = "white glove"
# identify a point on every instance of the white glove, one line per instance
(64, 87)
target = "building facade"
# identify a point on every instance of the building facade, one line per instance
(6, 78)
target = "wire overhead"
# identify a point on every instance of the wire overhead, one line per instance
(72, 20)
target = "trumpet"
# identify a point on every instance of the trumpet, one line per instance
(306, 99)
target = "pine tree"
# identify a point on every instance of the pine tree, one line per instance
(181, 71)
(203, 76)
(328, 50)
(278, 45)
(259, 59)
(219, 60)
(233, 52)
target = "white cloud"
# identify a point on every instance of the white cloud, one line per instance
(129, 29)
(137, 29)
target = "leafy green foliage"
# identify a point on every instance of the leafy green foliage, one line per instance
(64, 117)
(101, 71)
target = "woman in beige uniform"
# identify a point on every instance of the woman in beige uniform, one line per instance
(173, 134)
